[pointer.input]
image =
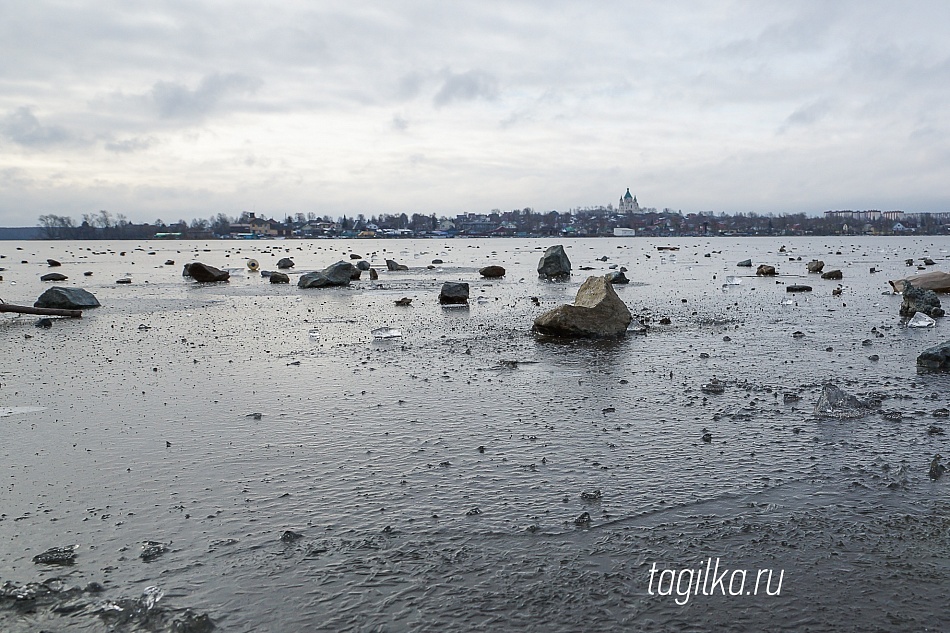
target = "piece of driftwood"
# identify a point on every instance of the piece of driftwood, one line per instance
(9, 307)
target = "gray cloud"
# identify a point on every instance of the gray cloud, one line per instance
(129, 145)
(177, 101)
(23, 128)
(467, 86)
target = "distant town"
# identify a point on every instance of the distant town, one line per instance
(626, 219)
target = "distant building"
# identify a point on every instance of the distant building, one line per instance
(628, 203)
(624, 232)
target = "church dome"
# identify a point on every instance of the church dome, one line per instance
(627, 195)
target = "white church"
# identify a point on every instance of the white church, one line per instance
(628, 203)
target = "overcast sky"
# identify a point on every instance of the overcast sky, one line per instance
(186, 108)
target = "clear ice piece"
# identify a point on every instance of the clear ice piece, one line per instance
(386, 332)
(732, 280)
(921, 320)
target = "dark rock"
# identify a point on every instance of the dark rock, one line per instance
(790, 397)
(918, 300)
(936, 468)
(53, 263)
(54, 277)
(205, 274)
(45, 323)
(405, 301)
(815, 266)
(169, 262)
(714, 387)
(765, 270)
(338, 274)
(746, 263)
(355, 256)
(124, 280)
(57, 556)
(909, 262)
(874, 358)
(836, 403)
(453, 292)
(394, 266)
(832, 274)
(315, 279)
(492, 272)
(927, 262)
(88, 273)
(797, 288)
(285, 263)
(554, 264)
(67, 299)
(362, 265)
(936, 358)
(473, 512)
(266, 273)
(941, 413)
(437, 261)
(279, 278)
(617, 278)
(597, 312)
(289, 537)
(707, 437)
(583, 519)
(373, 275)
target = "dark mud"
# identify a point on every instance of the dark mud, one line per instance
(373, 453)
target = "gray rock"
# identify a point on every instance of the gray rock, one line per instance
(66, 299)
(797, 288)
(765, 270)
(315, 279)
(57, 556)
(815, 266)
(919, 300)
(53, 263)
(492, 272)
(747, 263)
(338, 274)
(617, 278)
(279, 278)
(836, 403)
(832, 274)
(169, 262)
(363, 265)
(453, 292)
(936, 358)
(554, 264)
(54, 277)
(597, 312)
(355, 256)
(394, 265)
(285, 263)
(204, 273)
(437, 261)
(373, 275)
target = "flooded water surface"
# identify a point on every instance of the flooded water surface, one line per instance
(248, 456)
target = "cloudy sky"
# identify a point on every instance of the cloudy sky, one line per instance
(186, 108)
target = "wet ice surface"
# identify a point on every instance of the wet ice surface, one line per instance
(176, 456)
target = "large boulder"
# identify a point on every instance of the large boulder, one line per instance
(597, 312)
(54, 277)
(204, 273)
(765, 270)
(285, 263)
(52, 263)
(394, 265)
(492, 272)
(938, 281)
(338, 274)
(66, 299)
(815, 266)
(554, 264)
(832, 274)
(363, 265)
(279, 278)
(453, 292)
(617, 277)
(918, 300)
(936, 358)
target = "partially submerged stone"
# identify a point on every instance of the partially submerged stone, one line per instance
(597, 312)
(765, 270)
(936, 358)
(54, 277)
(492, 272)
(285, 263)
(745, 263)
(919, 300)
(453, 292)
(617, 278)
(279, 278)
(815, 266)
(797, 288)
(832, 274)
(57, 556)
(836, 403)
(554, 264)
(204, 273)
(338, 274)
(393, 265)
(66, 299)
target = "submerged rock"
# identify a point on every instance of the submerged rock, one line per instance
(492, 272)
(57, 556)
(797, 288)
(205, 274)
(832, 274)
(152, 550)
(285, 263)
(836, 403)
(597, 312)
(617, 278)
(453, 292)
(936, 358)
(289, 536)
(554, 264)
(54, 277)
(919, 300)
(765, 270)
(279, 278)
(67, 299)
(936, 468)
(393, 265)
(815, 266)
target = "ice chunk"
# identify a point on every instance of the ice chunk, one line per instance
(386, 332)
(314, 334)
(921, 320)
(732, 280)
